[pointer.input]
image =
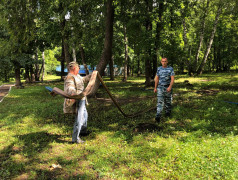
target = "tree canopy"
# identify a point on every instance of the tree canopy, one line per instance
(195, 36)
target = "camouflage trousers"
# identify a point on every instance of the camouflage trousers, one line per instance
(164, 100)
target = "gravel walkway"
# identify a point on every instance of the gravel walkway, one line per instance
(4, 89)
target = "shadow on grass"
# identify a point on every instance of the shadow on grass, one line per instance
(188, 112)
(207, 115)
(201, 115)
(25, 150)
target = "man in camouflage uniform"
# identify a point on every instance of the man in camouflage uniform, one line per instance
(74, 85)
(164, 81)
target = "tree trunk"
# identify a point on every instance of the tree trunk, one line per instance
(218, 56)
(185, 39)
(159, 28)
(228, 61)
(148, 26)
(32, 79)
(82, 53)
(62, 62)
(185, 49)
(172, 36)
(126, 55)
(200, 69)
(190, 71)
(37, 75)
(138, 65)
(195, 64)
(64, 34)
(209, 66)
(132, 69)
(111, 68)
(74, 55)
(185, 60)
(66, 51)
(147, 71)
(73, 46)
(18, 75)
(6, 79)
(27, 76)
(128, 66)
(43, 66)
(214, 56)
(155, 65)
(107, 50)
(219, 49)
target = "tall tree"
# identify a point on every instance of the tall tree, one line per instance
(148, 27)
(43, 66)
(21, 26)
(111, 69)
(159, 26)
(219, 10)
(126, 55)
(64, 30)
(203, 24)
(107, 51)
(82, 53)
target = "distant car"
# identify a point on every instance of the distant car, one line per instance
(82, 70)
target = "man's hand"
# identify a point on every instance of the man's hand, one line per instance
(156, 83)
(155, 90)
(168, 89)
(72, 100)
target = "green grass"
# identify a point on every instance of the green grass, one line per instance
(12, 81)
(48, 77)
(200, 140)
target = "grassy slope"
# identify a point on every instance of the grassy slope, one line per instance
(198, 141)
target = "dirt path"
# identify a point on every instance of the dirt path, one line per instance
(4, 89)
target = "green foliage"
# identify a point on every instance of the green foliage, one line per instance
(36, 26)
(6, 69)
(50, 59)
(199, 141)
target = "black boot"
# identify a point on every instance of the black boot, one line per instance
(85, 133)
(157, 118)
(168, 114)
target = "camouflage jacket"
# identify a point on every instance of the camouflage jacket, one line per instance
(73, 84)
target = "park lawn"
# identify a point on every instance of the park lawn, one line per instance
(199, 141)
(48, 77)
